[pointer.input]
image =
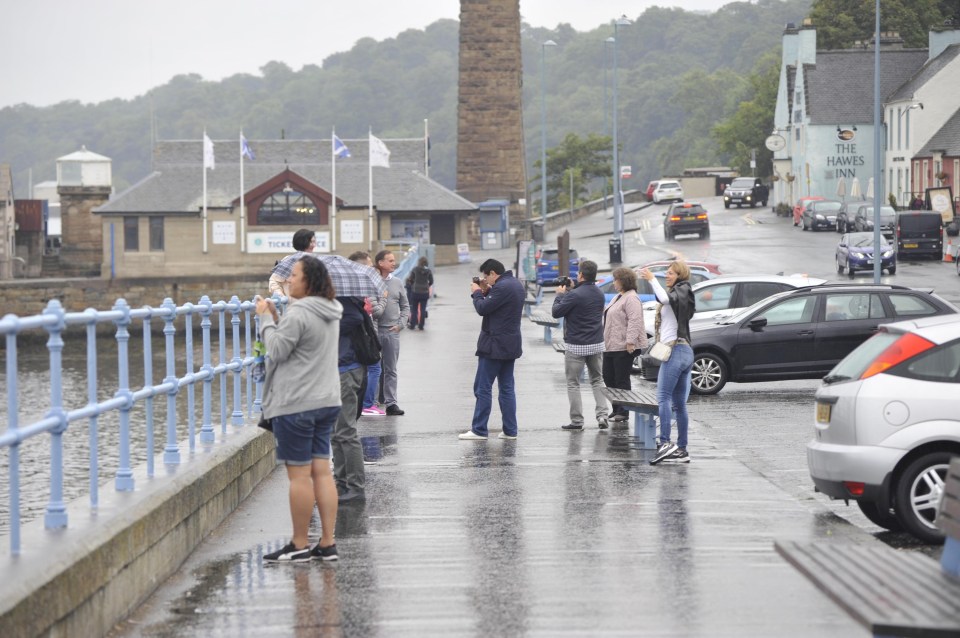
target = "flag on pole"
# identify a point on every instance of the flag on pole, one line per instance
(208, 161)
(379, 153)
(245, 150)
(340, 149)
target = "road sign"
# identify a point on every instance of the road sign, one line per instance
(626, 172)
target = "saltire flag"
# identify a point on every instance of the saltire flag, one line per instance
(379, 153)
(340, 149)
(208, 161)
(245, 149)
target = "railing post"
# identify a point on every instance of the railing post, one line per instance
(92, 425)
(221, 360)
(124, 477)
(206, 428)
(171, 452)
(249, 353)
(148, 383)
(12, 426)
(237, 380)
(191, 395)
(56, 515)
(258, 401)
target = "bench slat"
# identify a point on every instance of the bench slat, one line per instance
(888, 591)
(631, 398)
(544, 319)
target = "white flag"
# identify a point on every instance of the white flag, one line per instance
(208, 152)
(379, 153)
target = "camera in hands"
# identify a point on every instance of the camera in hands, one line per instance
(566, 282)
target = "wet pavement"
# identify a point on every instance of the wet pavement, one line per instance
(556, 533)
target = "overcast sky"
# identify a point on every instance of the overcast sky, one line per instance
(94, 50)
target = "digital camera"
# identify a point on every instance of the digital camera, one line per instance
(566, 282)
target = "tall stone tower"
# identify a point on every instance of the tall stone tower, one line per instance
(490, 148)
(84, 182)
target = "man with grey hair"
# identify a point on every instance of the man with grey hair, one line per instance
(582, 310)
(392, 313)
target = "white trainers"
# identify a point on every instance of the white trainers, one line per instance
(470, 435)
(504, 435)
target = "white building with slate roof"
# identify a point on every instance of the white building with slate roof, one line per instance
(158, 227)
(825, 112)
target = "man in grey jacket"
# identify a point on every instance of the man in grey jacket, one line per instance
(392, 313)
(582, 310)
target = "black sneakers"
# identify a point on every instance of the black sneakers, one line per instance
(324, 553)
(602, 423)
(394, 410)
(669, 453)
(572, 426)
(289, 554)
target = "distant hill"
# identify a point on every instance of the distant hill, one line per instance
(679, 73)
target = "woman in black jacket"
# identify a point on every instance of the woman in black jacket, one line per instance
(677, 305)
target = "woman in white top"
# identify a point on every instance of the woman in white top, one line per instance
(677, 305)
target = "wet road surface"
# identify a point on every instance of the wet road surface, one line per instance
(556, 533)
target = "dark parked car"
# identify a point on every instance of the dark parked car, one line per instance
(684, 219)
(919, 232)
(855, 252)
(548, 266)
(846, 214)
(820, 214)
(800, 334)
(863, 220)
(745, 191)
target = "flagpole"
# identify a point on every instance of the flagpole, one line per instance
(426, 147)
(333, 189)
(204, 216)
(243, 236)
(370, 187)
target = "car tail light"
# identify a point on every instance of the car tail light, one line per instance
(702, 216)
(674, 218)
(855, 488)
(906, 347)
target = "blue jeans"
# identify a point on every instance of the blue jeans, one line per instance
(373, 382)
(487, 371)
(673, 388)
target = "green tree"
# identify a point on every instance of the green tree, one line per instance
(586, 159)
(752, 121)
(840, 23)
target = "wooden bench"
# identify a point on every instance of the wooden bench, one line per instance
(891, 592)
(643, 404)
(547, 321)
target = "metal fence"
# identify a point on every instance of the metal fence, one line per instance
(54, 320)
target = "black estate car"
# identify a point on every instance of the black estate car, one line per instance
(686, 218)
(799, 334)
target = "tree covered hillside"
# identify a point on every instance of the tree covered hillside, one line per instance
(680, 73)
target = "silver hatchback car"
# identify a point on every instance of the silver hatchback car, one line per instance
(888, 423)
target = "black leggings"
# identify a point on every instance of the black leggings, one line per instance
(616, 373)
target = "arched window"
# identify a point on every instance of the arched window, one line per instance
(289, 207)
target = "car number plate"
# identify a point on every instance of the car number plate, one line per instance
(823, 413)
(911, 245)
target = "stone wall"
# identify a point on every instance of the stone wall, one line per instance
(490, 146)
(82, 233)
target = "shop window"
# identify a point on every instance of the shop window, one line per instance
(156, 233)
(131, 234)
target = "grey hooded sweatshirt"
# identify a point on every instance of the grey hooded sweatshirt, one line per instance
(302, 352)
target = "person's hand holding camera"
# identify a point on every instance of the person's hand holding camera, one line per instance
(479, 284)
(564, 284)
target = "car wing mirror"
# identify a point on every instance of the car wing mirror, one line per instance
(757, 323)
(664, 213)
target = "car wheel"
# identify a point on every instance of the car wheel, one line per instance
(887, 520)
(764, 203)
(725, 205)
(803, 223)
(649, 373)
(840, 267)
(849, 269)
(957, 259)
(709, 374)
(892, 271)
(705, 234)
(918, 492)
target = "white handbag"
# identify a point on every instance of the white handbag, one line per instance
(660, 351)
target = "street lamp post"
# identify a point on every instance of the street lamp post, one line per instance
(622, 21)
(543, 132)
(606, 102)
(877, 142)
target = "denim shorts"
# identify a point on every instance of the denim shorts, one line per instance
(304, 436)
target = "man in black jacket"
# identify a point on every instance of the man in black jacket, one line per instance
(582, 312)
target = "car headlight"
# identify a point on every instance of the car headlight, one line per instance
(888, 253)
(819, 216)
(858, 255)
(748, 197)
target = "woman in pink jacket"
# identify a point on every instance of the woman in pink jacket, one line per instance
(623, 334)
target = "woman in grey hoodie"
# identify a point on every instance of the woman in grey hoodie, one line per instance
(301, 398)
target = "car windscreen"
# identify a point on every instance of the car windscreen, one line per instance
(918, 223)
(826, 207)
(857, 362)
(742, 183)
(669, 185)
(861, 240)
(887, 214)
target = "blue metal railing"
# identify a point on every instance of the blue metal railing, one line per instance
(58, 417)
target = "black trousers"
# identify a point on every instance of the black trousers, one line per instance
(616, 373)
